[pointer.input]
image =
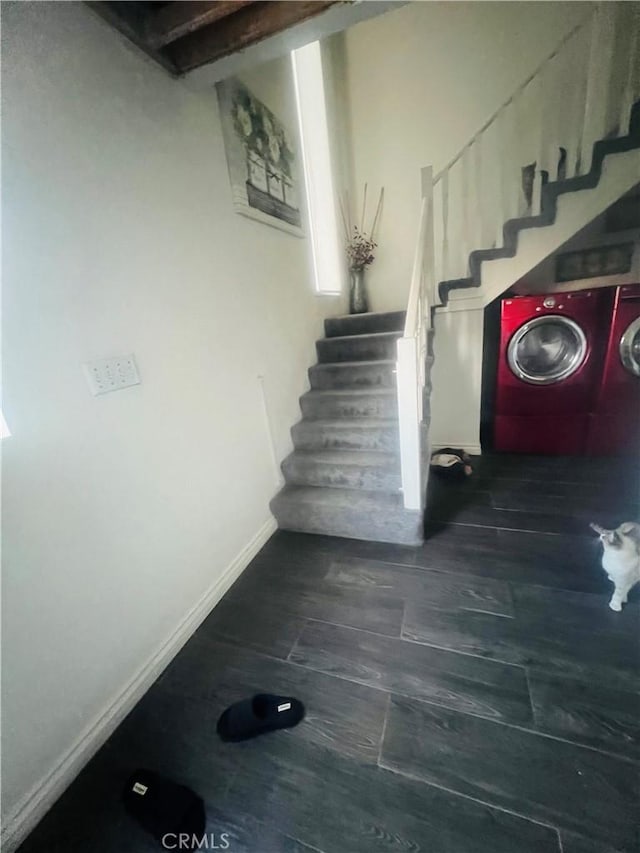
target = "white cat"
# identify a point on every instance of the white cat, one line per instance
(621, 559)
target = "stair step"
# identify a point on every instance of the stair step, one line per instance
(346, 434)
(375, 516)
(350, 403)
(379, 345)
(364, 324)
(380, 373)
(344, 469)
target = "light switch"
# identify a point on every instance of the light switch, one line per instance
(111, 374)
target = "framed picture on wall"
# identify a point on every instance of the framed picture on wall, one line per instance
(594, 263)
(261, 158)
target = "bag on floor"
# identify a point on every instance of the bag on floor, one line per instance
(163, 807)
(451, 464)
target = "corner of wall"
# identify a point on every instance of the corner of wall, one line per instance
(36, 802)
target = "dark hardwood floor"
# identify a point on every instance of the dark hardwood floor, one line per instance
(474, 695)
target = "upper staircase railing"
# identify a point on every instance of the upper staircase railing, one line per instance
(582, 92)
(545, 130)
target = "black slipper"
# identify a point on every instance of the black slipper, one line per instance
(162, 806)
(263, 713)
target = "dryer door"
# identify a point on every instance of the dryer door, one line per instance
(630, 348)
(547, 349)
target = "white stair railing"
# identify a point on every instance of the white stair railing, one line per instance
(412, 354)
(581, 93)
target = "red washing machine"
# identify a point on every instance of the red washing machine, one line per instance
(550, 361)
(615, 422)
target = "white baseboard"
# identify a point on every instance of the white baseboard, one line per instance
(33, 806)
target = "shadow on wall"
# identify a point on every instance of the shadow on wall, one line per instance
(446, 500)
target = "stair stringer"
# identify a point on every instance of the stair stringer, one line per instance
(568, 206)
(574, 209)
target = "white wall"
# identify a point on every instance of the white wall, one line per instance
(457, 380)
(121, 511)
(420, 81)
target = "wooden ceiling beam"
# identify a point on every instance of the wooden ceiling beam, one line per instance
(245, 27)
(176, 20)
(128, 19)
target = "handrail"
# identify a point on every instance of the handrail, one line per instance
(514, 95)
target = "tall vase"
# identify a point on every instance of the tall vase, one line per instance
(358, 302)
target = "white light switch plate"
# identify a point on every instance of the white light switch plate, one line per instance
(111, 374)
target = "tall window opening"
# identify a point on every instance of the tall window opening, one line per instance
(326, 251)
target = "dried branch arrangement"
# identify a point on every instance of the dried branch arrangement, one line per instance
(359, 242)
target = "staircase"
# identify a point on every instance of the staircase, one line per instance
(623, 173)
(360, 464)
(343, 478)
(566, 205)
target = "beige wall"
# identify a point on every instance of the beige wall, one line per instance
(120, 512)
(420, 81)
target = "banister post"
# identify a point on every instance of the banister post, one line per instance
(429, 265)
(411, 349)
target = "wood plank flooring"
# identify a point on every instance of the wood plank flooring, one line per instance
(474, 695)
(562, 785)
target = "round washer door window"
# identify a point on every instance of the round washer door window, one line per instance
(630, 348)
(547, 349)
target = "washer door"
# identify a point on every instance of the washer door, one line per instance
(547, 349)
(630, 348)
